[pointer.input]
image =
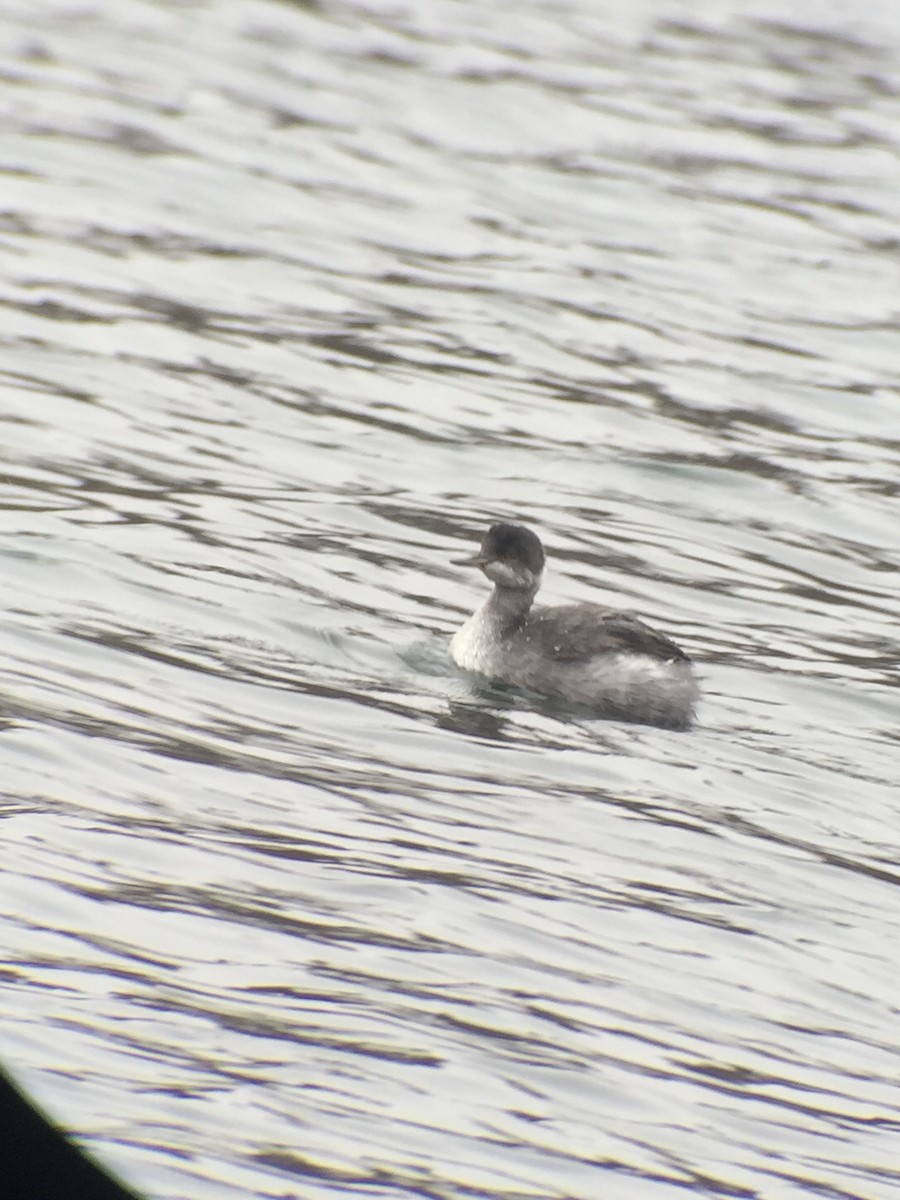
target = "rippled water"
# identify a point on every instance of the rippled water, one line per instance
(296, 298)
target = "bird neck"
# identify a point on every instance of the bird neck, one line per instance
(509, 606)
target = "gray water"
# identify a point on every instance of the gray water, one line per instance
(296, 298)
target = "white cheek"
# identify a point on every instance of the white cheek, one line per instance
(508, 576)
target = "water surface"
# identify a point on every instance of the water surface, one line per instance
(296, 298)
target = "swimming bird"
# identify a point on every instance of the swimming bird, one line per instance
(584, 655)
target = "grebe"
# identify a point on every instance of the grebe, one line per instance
(583, 654)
